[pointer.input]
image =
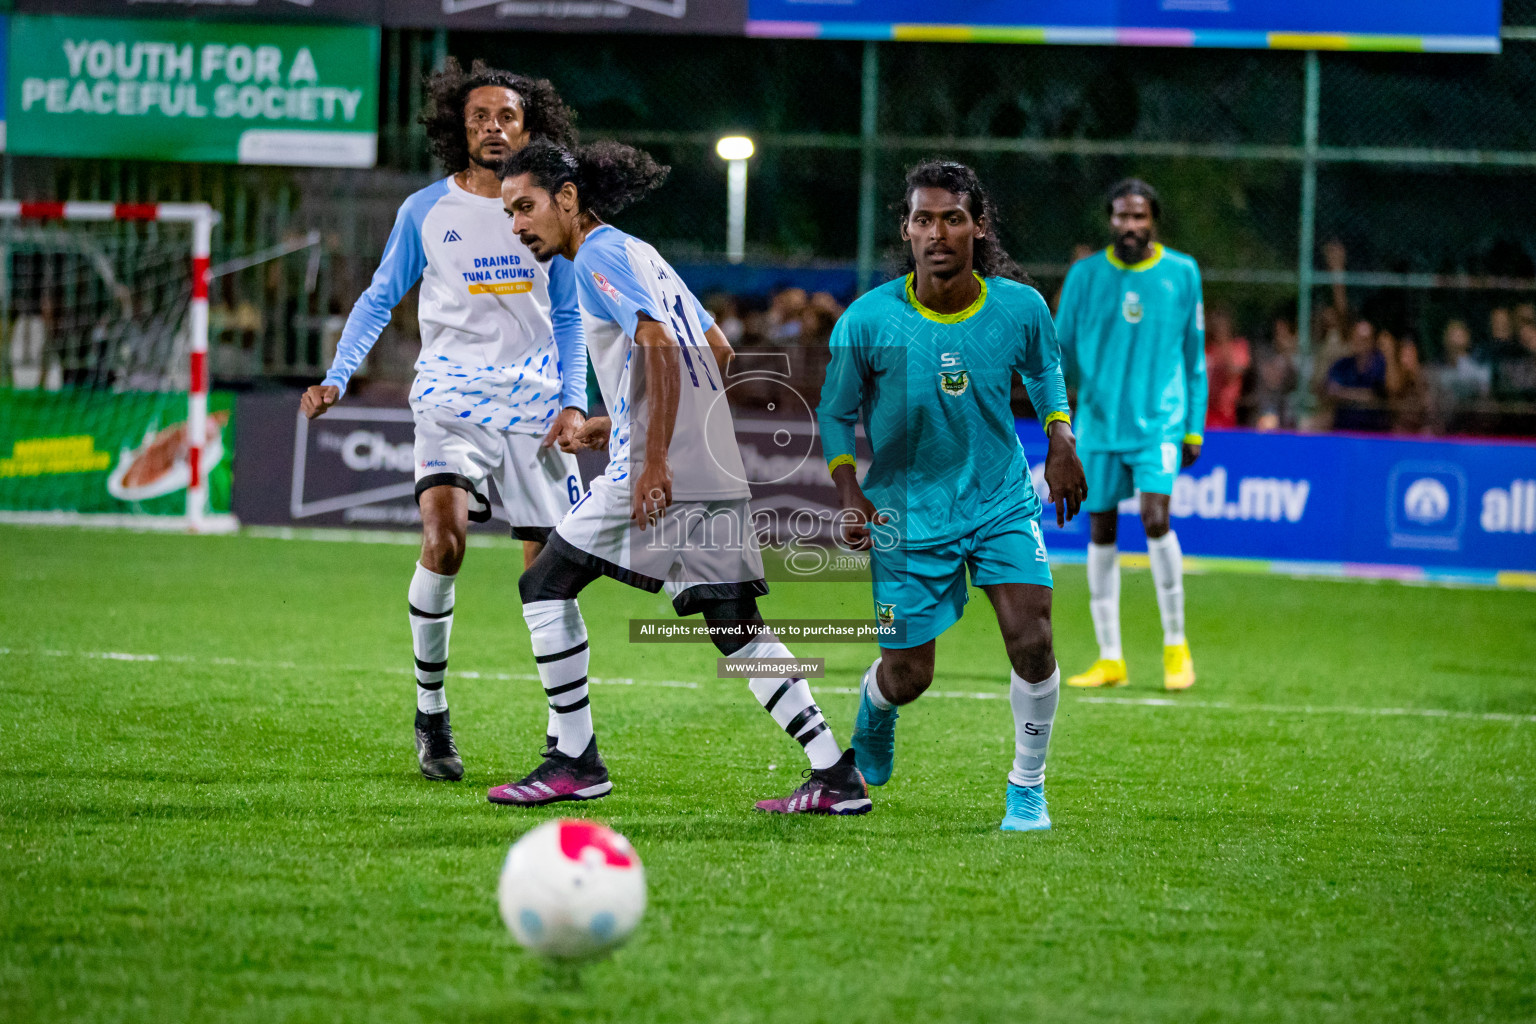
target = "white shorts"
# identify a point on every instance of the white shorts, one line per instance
(697, 551)
(537, 485)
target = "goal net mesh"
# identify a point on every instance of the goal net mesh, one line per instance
(93, 391)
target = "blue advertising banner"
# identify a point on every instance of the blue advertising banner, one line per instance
(1361, 506)
(1426, 25)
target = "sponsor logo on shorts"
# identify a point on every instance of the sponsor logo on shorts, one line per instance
(955, 382)
(433, 463)
(885, 614)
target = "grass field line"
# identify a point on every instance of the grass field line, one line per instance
(1145, 702)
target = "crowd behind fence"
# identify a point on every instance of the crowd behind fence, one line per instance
(1327, 197)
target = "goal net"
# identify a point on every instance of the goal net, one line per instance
(104, 405)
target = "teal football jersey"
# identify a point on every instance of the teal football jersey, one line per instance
(1133, 341)
(933, 393)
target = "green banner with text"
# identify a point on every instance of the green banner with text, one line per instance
(95, 452)
(198, 91)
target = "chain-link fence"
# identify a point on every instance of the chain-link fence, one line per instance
(1421, 173)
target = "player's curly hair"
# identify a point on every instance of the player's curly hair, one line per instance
(1133, 187)
(609, 176)
(545, 115)
(988, 256)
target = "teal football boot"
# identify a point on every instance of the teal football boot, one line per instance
(1026, 809)
(874, 740)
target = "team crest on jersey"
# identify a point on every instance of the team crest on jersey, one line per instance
(885, 614)
(452, 236)
(954, 382)
(602, 282)
(1131, 308)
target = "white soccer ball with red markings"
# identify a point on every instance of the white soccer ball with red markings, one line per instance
(571, 889)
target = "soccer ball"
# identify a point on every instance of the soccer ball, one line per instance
(571, 889)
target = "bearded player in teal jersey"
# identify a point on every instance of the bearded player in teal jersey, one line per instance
(927, 361)
(1132, 330)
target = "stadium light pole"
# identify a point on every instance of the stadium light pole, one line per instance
(735, 150)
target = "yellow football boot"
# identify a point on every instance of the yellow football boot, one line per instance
(1178, 667)
(1105, 672)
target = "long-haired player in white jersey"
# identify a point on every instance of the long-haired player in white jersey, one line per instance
(671, 511)
(502, 373)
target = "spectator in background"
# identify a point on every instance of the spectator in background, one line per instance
(1411, 397)
(1277, 373)
(1330, 341)
(1461, 381)
(1514, 375)
(1227, 361)
(784, 313)
(817, 319)
(727, 313)
(1357, 383)
(1501, 336)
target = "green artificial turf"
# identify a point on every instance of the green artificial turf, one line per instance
(236, 830)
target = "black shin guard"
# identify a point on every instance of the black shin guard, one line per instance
(733, 622)
(553, 577)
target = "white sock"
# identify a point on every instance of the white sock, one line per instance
(1034, 710)
(790, 703)
(431, 604)
(1168, 577)
(559, 638)
(1104, 598)
(871, 686)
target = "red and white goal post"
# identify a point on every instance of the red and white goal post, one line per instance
(201, 219)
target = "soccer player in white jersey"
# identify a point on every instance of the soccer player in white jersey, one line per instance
(502, 373)
(671, 511)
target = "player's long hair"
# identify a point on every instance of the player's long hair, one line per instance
(988, 257)
(608, 176)
(545, 115)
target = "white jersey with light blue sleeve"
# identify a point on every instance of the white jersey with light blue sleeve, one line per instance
(619, 278)
(501, 333)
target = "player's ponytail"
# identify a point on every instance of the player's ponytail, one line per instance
(608, 176)
(988, 256)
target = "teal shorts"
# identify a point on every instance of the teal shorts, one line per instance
(922, 591)
(1115, 476)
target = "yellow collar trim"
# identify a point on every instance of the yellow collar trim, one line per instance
(1146, 264)
(948, 318)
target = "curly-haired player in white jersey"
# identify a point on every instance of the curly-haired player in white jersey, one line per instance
(671, 511)
(503, 369)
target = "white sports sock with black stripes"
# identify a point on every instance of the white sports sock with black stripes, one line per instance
(559, 638)
(431, 604)
(790, 703)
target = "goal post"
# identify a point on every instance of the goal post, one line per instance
(61, 266)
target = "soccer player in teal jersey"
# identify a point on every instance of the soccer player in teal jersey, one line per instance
(1132, 331)
(927, 362)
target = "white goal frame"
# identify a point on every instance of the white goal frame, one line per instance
(202, 218)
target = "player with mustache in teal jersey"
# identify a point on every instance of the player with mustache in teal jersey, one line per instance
(927, 362)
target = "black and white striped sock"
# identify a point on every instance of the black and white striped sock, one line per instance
(559, 638)
(431, 604)
(790, 703)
